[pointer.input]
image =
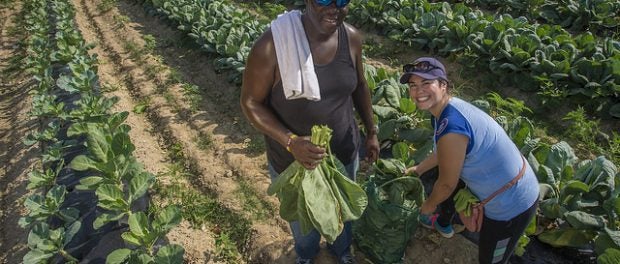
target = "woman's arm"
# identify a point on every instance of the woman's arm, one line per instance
(450, 157)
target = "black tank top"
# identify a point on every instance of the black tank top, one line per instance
(337, 81)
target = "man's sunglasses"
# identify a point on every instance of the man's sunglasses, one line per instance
(422, 66)
(339, 3)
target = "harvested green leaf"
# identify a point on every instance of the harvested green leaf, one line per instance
(322, 198)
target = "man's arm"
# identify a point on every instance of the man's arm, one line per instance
(258, 79)
(361, 95)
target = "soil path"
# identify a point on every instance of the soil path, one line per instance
(16, 159)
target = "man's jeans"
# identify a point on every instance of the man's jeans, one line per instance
(308, 246)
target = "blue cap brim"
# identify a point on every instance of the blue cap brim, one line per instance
(405, 77)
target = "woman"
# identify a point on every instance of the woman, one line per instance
(472, 149)
(285, 112)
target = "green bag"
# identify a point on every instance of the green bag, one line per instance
(391, 217)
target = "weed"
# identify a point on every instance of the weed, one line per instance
(171, 101)
(149, 43)
(174, 76)
(614, 147)
(108, 87)
(258, 209)
(255, 145)
(133, 49)
(152, 70)
(202, 210)
(581, 128)
(121, 20)
(176, 151)
(193, 95)
(204, 141)
(510, 107)
(141, 106)
(225, 249)
(106, 5)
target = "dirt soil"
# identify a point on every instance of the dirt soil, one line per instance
(168, 121)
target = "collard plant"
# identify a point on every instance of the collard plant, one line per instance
(144, 233)
(580, 196)
(395, 113)
(115, 170)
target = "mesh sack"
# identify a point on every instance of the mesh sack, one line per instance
(384, 230)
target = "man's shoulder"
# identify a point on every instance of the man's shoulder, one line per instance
(353, 33)
(265, 42)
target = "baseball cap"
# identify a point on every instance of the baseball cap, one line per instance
(425, 67)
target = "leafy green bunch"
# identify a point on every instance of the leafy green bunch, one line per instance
(322, 198)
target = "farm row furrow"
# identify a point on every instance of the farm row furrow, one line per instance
(16, 159)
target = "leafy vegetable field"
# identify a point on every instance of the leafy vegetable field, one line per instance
(122, 139)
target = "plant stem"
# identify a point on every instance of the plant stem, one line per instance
(68, 256)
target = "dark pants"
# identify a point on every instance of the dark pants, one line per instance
(497, 238)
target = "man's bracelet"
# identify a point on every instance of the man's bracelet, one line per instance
(290, 140)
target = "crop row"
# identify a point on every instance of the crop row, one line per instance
(89, 188)
(599, 16)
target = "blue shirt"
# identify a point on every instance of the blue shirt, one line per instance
(491, 160)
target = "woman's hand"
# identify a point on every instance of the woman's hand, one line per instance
(412, 170)
(306, 153)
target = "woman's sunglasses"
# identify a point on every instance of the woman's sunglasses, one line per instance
(339, 3)
(422, 66)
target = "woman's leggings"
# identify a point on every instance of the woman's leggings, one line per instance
(497, 238)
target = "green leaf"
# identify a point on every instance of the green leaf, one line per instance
(37, 256)
(170, 254)
(131, 239)
(82, 163)
(38, 234)
(610, 256)
(407, 106)
(144, 258)
(567, 237)
(387, 130)
(111, 197)
(97, 143)
(583, 220)
(69, 214)
(139, 184)
(77, 129)
(71, 232)
(400, 151)
(106, 218)
(89, 183)
(118, 256)
(167, 218)
(139, 224)
(385, 112)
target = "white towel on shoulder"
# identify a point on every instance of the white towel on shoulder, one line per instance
(294, 57)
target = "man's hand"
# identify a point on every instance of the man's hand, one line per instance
(372, 148)
(306, 153)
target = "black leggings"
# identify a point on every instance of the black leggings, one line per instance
(497, 238)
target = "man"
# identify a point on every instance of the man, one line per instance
(335, 49)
